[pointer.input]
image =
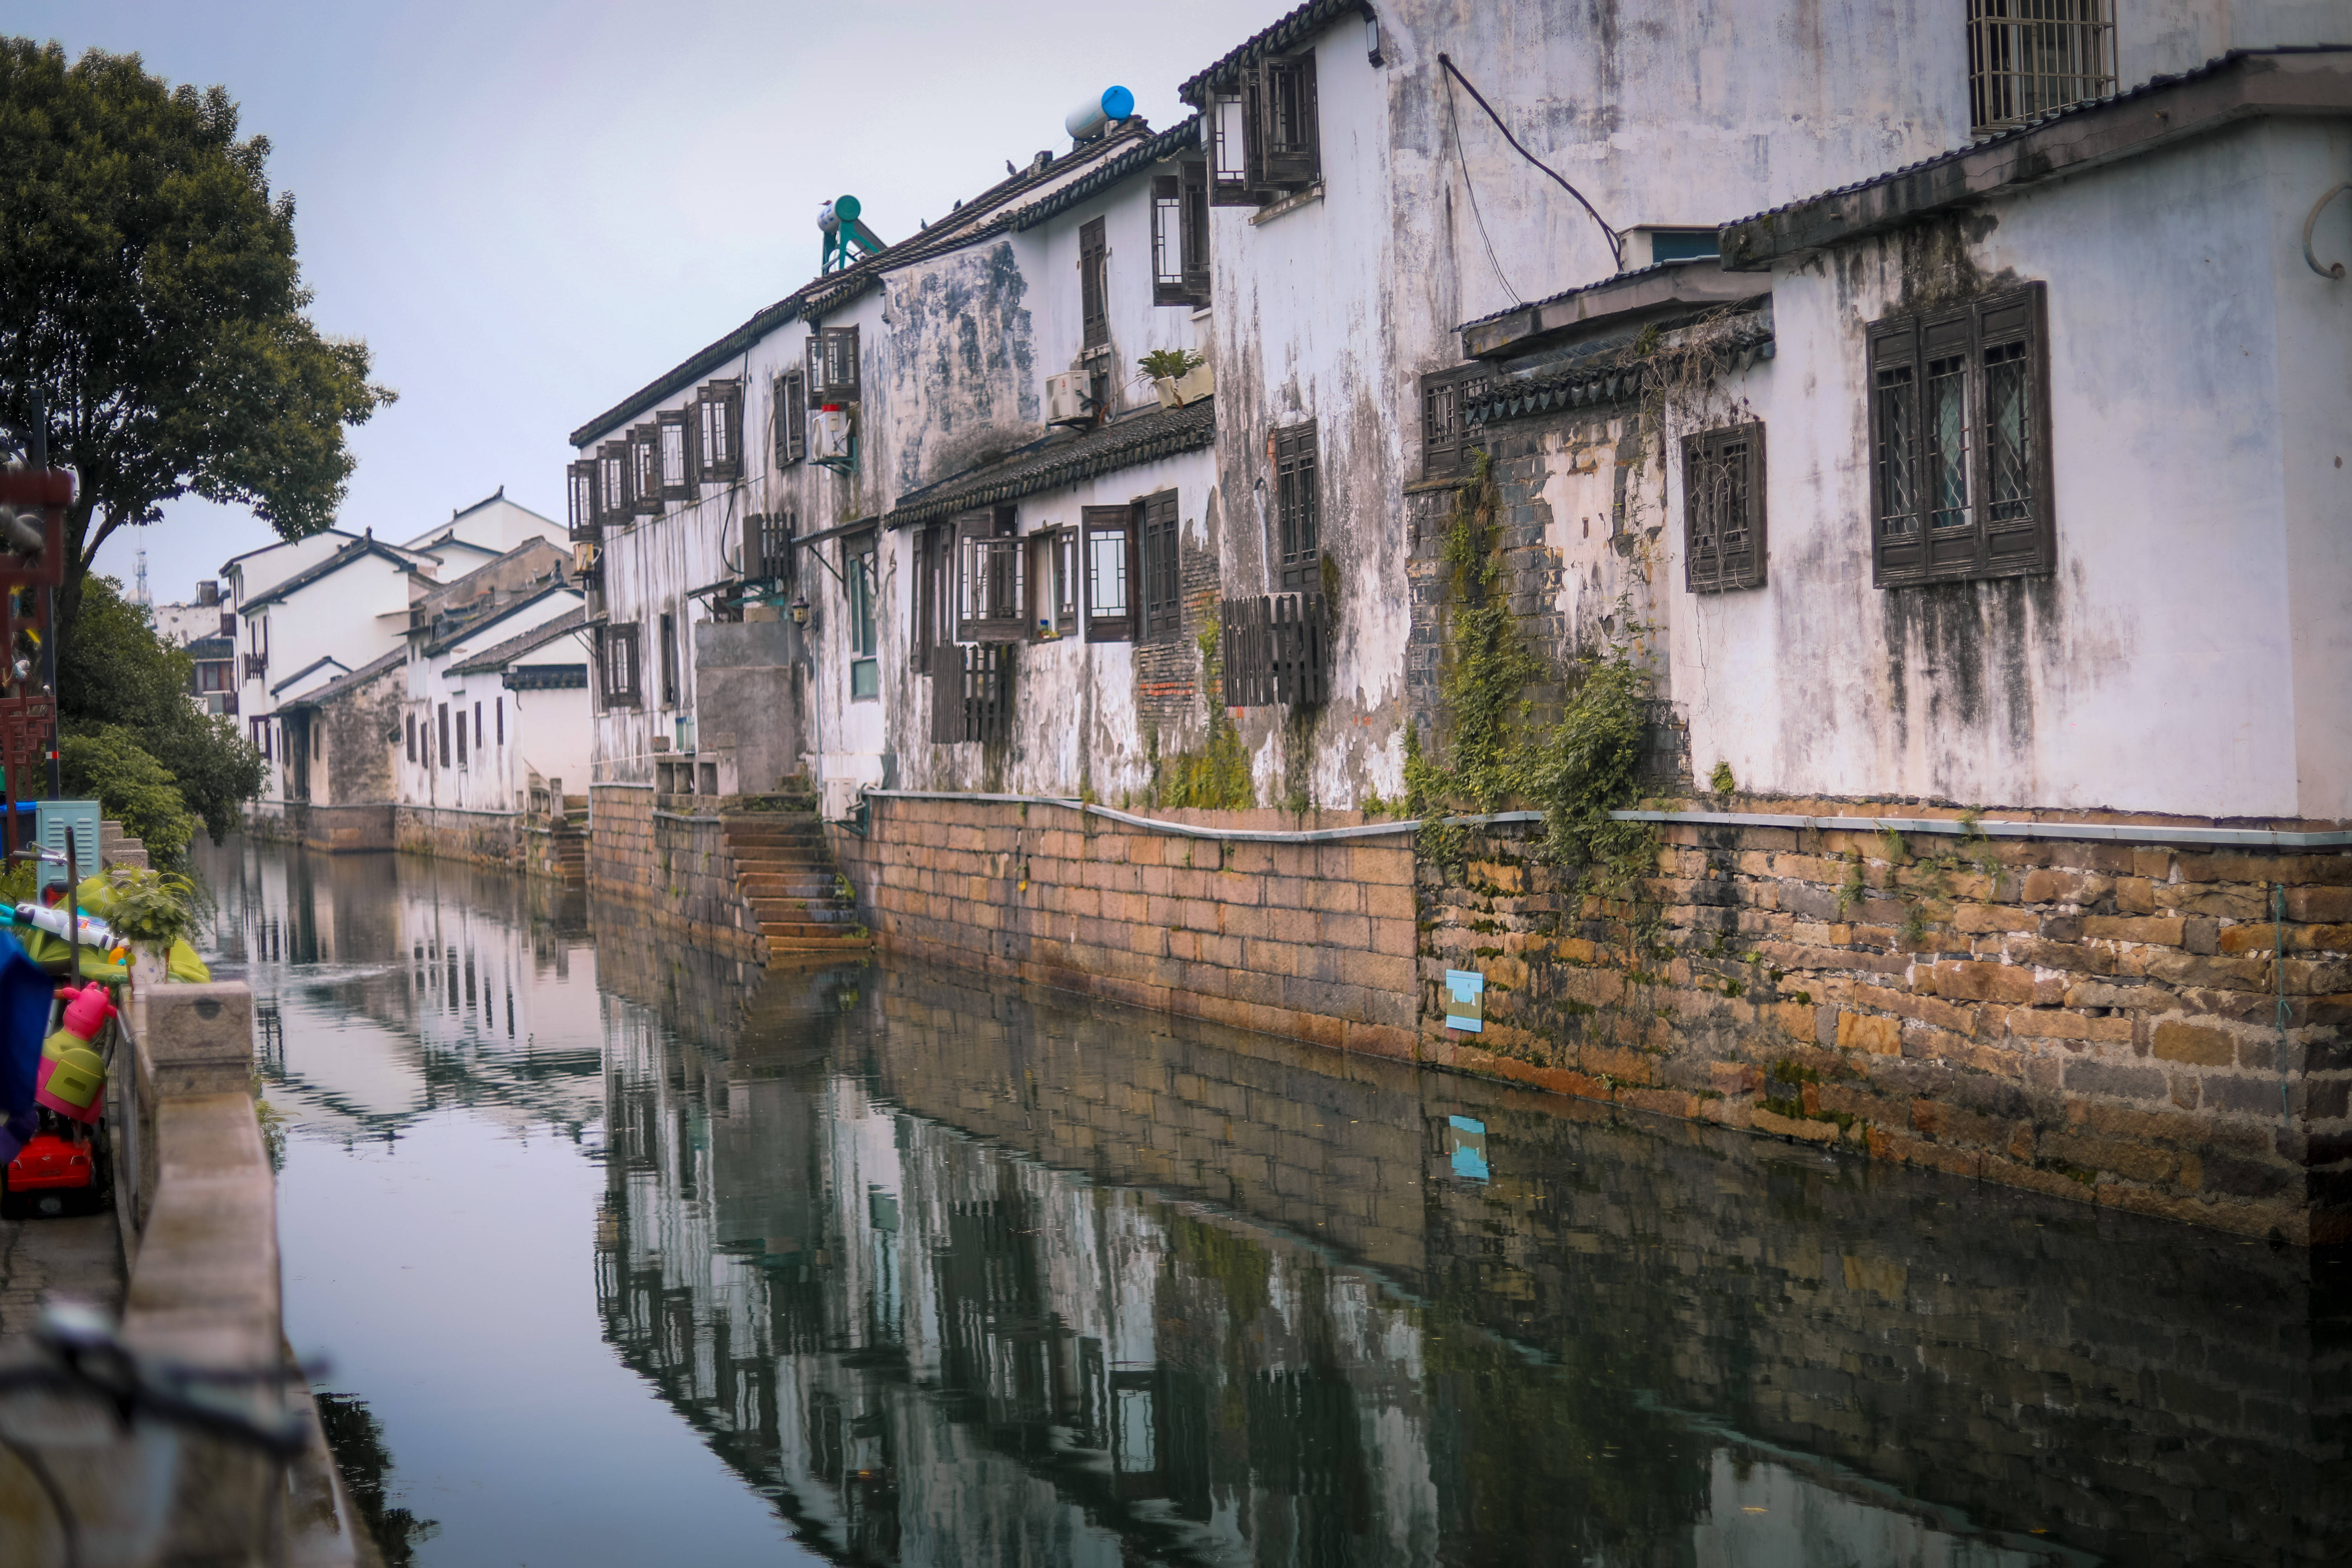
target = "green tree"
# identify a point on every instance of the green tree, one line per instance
(151, 301)
(116, 672)
(108, 763)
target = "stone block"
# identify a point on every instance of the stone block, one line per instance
(1860, 1032)
(2195, 1043)
(2092, 1077)
(1976, 982)
(2165, 931)
(198, 1039)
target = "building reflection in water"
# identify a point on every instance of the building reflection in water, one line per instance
(947, 1270)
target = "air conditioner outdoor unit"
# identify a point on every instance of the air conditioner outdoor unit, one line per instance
(832, 438)
(1066, 399)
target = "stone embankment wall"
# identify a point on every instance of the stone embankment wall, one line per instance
(2097, 1021)
(668, 855)
(1314, 942)
(1741, 1280)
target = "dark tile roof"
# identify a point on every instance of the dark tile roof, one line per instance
(1111, 172)
(442, 639)
(307, 670)
(1285, 35)
(356, 550)
(1061, 459)
(1752, 241)
(976, 220)
(1601, 378)
(1693, 282)
(506, 652)
(349, 681)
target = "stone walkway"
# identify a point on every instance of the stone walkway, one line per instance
(81, 1256)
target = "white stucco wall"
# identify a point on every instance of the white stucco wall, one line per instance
(2188, 653)
(492, 777)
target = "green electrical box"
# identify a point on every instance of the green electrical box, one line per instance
(53, 819)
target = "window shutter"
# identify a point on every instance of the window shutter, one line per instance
(1093, 281)
(676, 441)
(1167, 285)
(1162, 591)
(1230, 182)
(1899, 555)
(1441, 424)
(613, 482)
(791, 417)
(1723, 510)
(1297, 502)
(1287, 135)
(1194, 177)
(816, 367)
(2013, 434)
(586, 518)
(718, 413)
(645, 470)
(1107, 562)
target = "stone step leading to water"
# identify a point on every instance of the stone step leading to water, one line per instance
(786, 876)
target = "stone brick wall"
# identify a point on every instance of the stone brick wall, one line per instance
(667, 854)
(482, 839)
(2093, 1020)
(1167, 669)
(1314, 942)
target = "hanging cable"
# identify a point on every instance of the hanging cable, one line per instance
(1616, 240)
(1472, 191)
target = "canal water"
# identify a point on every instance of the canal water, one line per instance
(622, 1252)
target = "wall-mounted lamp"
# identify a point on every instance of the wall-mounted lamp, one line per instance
(799, 609)
(1372, 37)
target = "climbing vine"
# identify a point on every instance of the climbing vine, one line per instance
(1217, 775)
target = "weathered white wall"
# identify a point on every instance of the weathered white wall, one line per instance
(491, 778)
(2188, 653)
(354, 616)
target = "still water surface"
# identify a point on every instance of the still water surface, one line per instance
(624, 1253)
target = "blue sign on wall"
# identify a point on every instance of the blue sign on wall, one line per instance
(1466, 1000)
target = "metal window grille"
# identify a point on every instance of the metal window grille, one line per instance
(2031, 57)
(1898, 511)
(1722, 508)
(1946, 431)
(1277, 650)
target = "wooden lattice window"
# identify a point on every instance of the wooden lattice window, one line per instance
(645, 470)
(989, 578)
(677, 475)
(719, 432)
(1297, 521)
(1722, 508)
(1109, 552)
(586, 516)
(613, 496)
(833, 366)
(1959, 417)
(1445, 434)
(617, 665)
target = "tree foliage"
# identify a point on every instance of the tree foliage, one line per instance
(107, 763)
(115, 673)
(149, 299)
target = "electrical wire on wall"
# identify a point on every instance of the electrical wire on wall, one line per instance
(1454, 74)
(1513, 294)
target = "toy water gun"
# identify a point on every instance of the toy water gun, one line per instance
(72, 1080)
(94, 932)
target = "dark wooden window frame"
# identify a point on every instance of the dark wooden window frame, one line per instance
(1445, 434)
(411, 737)
(833, 366)
(618, 666)
(1053, 584)
(442, 751)
(669, 648)
(1094, 282)
(767, 553)
(613, 496)
(991, 578)
(1957, 420)
(586, 515)
(791, 405)
(1101, 522)
(1272, 112)
(645, 470)
(1723, 545)
(1160, 531)
(861, 562)
(678, 480)
(1297, 511)
(718, 424)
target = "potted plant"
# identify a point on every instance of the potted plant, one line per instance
(150, 910)
(1179, 375)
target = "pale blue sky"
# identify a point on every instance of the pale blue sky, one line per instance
(529, 209)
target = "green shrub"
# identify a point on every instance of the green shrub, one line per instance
(136, 790)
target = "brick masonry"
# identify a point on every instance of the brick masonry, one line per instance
(666, 855)
(2090, 1020)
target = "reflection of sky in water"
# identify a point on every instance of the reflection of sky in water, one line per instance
(633, 1258)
